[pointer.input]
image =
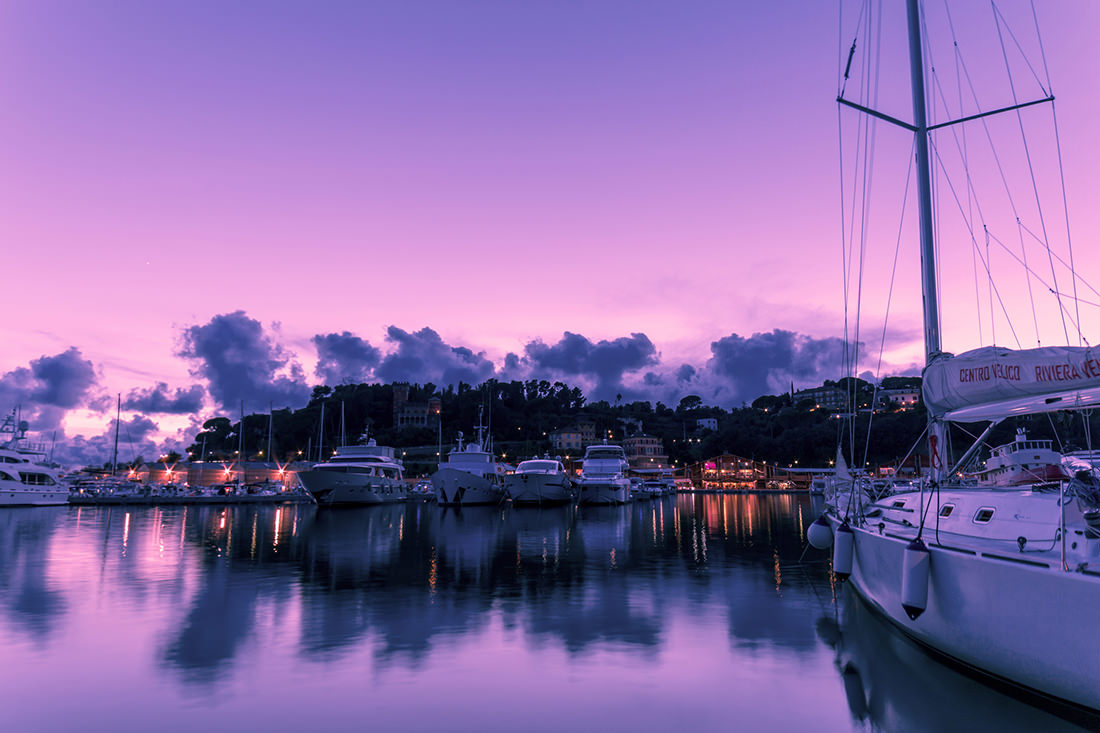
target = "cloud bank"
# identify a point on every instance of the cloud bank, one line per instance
(240, 361)
(234, 357)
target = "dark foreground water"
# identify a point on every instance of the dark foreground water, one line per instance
(685, 613)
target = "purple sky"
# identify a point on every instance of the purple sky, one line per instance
(198, 196)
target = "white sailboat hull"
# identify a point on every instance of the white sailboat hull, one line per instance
(454, 487)
(1039, 630)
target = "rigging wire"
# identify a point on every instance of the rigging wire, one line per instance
(1063, 263)
(890, 297)
(971, 198)
(1027, 154)
(1061, 170)
(958, 203)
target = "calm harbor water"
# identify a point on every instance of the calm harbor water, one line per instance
(691, 611)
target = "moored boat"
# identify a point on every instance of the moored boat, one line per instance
(357, 475)
(539, 481)
(603, 478)
(471, 475)
(1022, 462)
(25, 478)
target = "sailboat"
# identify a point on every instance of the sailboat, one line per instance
(1002, 580)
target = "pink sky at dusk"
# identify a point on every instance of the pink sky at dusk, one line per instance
(499, 172)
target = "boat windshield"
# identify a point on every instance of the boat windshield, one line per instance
(537, 466)
(607, 453)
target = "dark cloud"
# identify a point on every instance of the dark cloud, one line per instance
(685, 373)
(160, 399)
(48, 387)
(741, 369)
(424, 357)
(344, 359)
(602, 365)
(241, 362)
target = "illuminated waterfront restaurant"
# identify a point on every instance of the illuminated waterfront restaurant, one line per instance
(728, 473)
(209, 473)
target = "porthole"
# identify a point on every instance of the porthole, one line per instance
(898, 504)
(946, 509)
(984, 515)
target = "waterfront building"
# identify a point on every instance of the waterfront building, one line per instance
(209, 473)
(729, 473)
(567, 439)
(574, 437)
(645, 452)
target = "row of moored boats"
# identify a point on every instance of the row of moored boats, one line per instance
(371, 474)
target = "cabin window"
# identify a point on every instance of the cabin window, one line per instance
(984, 515)
(946, 509)
(898, 504)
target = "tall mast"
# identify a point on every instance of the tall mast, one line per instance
(321, 436)
(270, 428)
(924, 186)
(118, 421)
(240, 449)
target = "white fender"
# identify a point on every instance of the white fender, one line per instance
(820, 534)
(844, 542)
(915, 566)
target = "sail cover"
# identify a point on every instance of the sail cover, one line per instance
(994, 382)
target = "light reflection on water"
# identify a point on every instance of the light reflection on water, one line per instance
(688, 610)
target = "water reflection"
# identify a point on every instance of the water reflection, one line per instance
(695, 590)
(28, 595)
(893, 684)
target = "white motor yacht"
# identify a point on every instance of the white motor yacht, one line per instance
(357, 474)
(539, 481)
(603, 478)
(470, 476)
(25, 479)
(1022, 462)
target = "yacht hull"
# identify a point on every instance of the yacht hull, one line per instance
(538, 488)
(17, 494)
(1037, 631)
(453, 487)
(330, 488)
(612, 491)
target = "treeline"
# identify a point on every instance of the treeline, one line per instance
(523, 414)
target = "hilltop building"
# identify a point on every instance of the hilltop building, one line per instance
(574, 437)
(414, 414)
(905, 398)
(706, 423)
(829, 397)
